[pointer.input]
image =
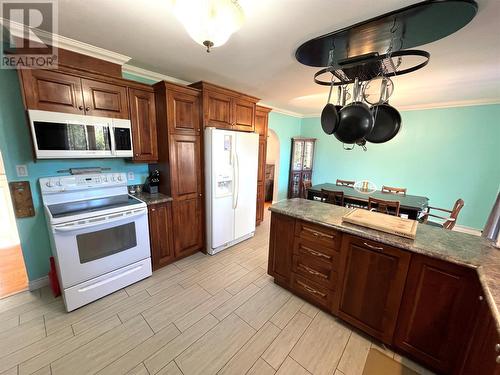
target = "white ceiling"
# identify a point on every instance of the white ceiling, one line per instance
(259, 58)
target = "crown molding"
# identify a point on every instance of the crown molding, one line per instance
(282, 111)
(59, 41)
(148, 74)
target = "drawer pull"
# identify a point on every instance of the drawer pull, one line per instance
(315, 253)
(317, 234)
(311, 290)
(313, 272)
(373, 247)
(497, 348)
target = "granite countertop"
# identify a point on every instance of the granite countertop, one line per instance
(460, 248)
(150, 199)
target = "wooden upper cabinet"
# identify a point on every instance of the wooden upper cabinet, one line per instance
(104, 99)
(372, 278)
(185, 166)
(243, 115)
(261, 121)
(160, 230)
(52, 91)
(217, 110)
(188, 226)
(143, 120)
(281, 247)
(437, 308)
(227, 109)
(183, 112)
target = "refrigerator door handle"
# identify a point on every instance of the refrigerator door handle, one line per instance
(233, 163)
(237, 179)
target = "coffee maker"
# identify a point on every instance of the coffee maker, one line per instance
(152, 182)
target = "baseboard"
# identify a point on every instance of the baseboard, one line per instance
(469, 230)
(38, 283)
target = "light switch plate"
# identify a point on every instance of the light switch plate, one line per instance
(130, 176)
(22, 170)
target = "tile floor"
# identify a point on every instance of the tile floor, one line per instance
(202, 315)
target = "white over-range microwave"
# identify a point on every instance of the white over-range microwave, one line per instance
(68, 136)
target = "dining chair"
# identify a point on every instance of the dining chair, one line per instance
(450, 221)
(345, 183)
(332, 197)
(306, 185)
(383, 206)
(394, 190)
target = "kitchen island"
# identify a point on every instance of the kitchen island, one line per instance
(434, 298)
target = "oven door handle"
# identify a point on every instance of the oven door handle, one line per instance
(105, 220)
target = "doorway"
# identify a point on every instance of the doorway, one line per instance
(272, 167)
(13, 277)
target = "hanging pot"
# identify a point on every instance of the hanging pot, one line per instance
(355, 119)
(387, 121)
(329, 115)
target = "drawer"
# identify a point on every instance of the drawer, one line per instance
(320, 252)
(318, 234)
(312, 292)
(311, 268)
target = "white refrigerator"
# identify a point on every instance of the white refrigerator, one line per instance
(231, 162)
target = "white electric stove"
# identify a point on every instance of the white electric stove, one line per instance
(99, 235)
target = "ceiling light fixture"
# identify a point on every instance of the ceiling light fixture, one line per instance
(209, 22)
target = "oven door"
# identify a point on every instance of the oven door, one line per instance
(89, 248)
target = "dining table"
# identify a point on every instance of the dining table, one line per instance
(410, 205)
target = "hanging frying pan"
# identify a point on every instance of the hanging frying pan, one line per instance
(329, 115)
(387, 121)
(355, 120)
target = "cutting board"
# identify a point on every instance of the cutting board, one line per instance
(382, 222)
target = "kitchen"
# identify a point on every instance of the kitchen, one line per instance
(135, 130)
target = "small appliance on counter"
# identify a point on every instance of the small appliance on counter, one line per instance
(152, 182)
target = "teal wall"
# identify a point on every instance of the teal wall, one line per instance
(15, 146)
(285, 127)
(444, 154)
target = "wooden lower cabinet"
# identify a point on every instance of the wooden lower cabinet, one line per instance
(188, 226)
(372, 280)
(438, 305)
(281, 247)
(160, 231)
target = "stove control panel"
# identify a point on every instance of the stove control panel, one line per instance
(82, 182)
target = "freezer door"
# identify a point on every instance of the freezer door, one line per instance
(246, 159)
(222, 187)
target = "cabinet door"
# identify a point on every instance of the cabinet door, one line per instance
(259, 213)
(188, 226)
(261, 119)
(104, 99)
(143, 119)
(294, 187)
(482, 350)
(217, 110)
(437, 307)
(307, 161)
(281, 247)
(261, 172)
(297, 155)
(160, 229)
(185, 167)
(243, 115)
(183, 113)
(52, 91)
(372, 281)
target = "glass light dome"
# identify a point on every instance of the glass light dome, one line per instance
(209, 22)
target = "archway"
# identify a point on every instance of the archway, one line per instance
(272, 166)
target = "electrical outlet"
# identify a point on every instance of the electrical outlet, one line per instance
(22, 170)
(131, 176)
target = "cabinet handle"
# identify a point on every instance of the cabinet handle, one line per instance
(136, 154)
(497, 348)
(313, 272)
(153, 209)
(317, 234)
(311, 290)
(373, 247)
(87, 108)
(482, 298)
(80, 107)
(201, 195)
(498, 359)
(315, 253)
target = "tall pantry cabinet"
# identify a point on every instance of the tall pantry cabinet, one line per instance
(180, 163)
(261, 125)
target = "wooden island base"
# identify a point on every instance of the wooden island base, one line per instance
(431, 310)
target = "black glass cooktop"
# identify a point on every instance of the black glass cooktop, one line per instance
(91, 205)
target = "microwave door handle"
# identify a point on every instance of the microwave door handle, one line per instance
(106, 220)
(112, 137)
